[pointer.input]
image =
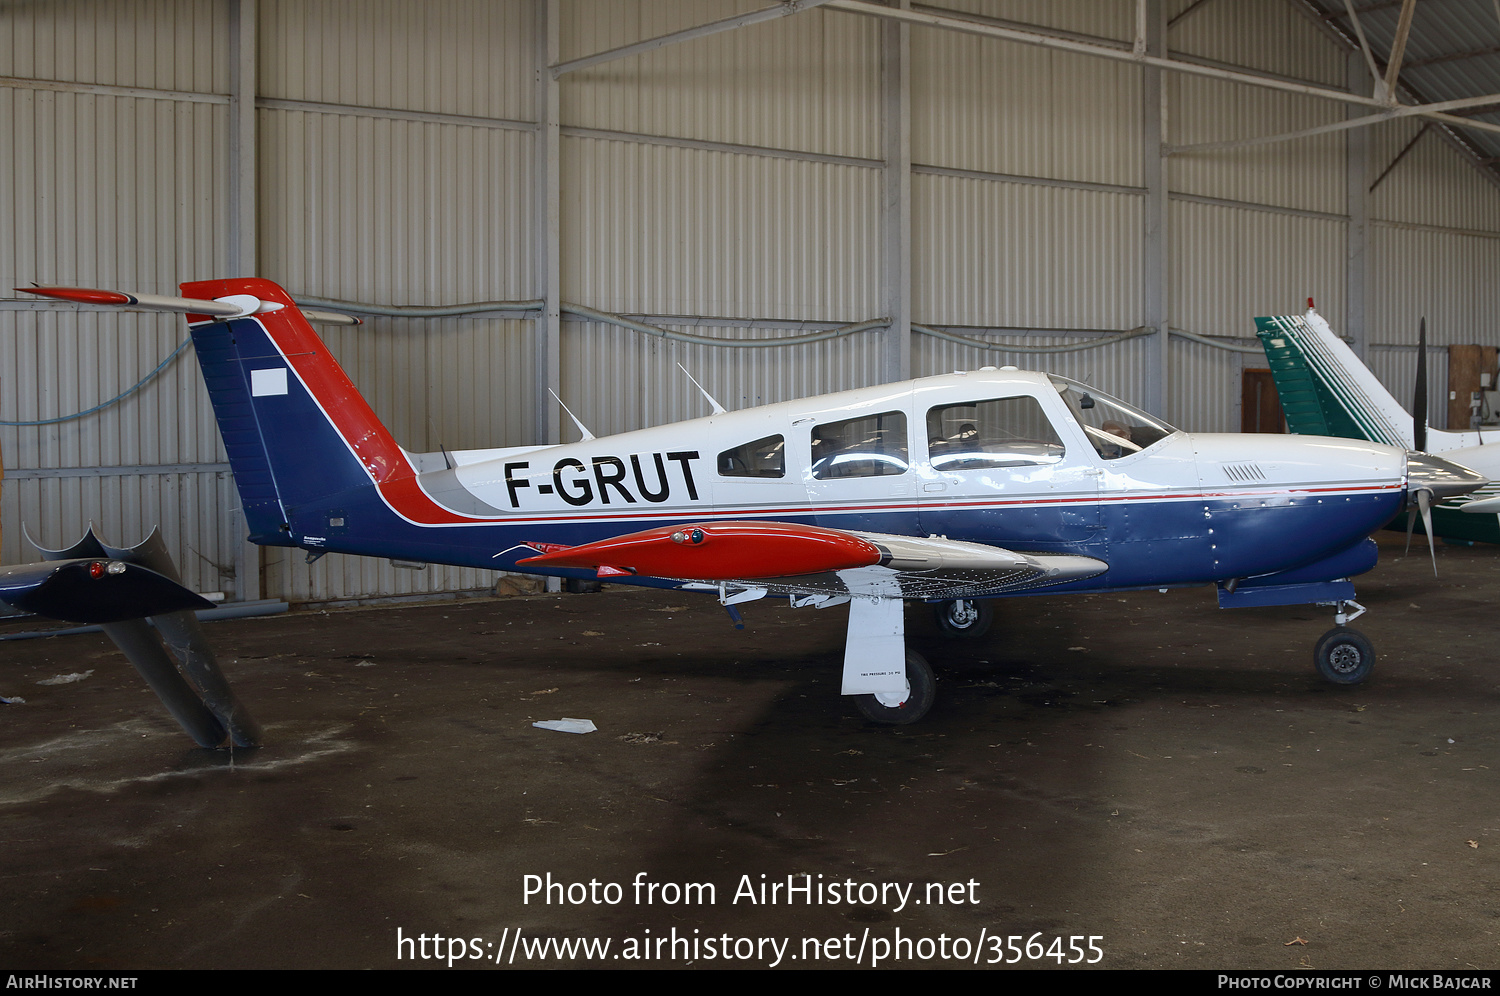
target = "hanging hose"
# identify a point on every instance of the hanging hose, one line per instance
(117, 398)
(590, 314)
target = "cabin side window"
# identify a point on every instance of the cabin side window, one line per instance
(761, 458)
(977, 435)
(872, 446)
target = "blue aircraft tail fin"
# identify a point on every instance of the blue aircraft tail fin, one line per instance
(300, 437)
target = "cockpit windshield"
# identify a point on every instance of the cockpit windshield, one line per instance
(1114, 428)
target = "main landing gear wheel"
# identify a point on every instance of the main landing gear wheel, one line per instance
(964, 618)
(920, 692)
(1344, 656)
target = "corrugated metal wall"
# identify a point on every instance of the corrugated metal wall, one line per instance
(599, 358)
(730, 186)
(1004, 107)
(995, 253)
(112, 189)
(803, 83)
(659, 230)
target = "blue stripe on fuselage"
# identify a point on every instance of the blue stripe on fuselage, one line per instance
(1147, 543)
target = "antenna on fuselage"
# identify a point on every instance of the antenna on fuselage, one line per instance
(447, 460)
(718, 408)
(587, 435)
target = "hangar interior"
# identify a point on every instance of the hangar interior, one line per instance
(783, 199)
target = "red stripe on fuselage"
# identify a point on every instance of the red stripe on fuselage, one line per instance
(683, 513)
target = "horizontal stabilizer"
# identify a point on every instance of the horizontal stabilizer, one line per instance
(93, 591)
(235, 306)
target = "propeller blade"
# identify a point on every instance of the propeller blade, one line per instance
(1419, 398)
(1424, 501)
(1411, 522)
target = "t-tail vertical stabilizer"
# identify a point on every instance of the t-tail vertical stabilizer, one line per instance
(1325, 389)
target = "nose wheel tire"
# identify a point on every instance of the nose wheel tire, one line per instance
(920, 693)
(1344, 656)
(964, 618)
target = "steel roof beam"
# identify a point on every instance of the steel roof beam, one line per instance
(785, 9)
(1186, 11)
(1364, 46)
(1402, 154)
(931, 18)
(1398, 46)
(1361, 122)
(1434, 60)
(1328, 23)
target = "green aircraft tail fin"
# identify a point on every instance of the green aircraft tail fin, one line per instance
(1311, 407)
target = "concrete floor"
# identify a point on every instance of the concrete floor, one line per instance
(1144, 769)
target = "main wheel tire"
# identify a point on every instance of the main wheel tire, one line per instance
(964, 618)
(1344, 656)
(921, 693)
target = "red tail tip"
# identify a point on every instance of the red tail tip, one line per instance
(83, 295)
(1310, 305)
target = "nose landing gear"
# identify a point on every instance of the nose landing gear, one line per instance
(1344, 656)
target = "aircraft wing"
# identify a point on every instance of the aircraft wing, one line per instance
(797, 559)
(935, 567)
(87, 590)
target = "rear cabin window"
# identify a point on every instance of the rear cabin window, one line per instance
(977, 435)
(872, 446)
(761, 458)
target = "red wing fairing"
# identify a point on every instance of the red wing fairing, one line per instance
(795, 558)
(717, 551)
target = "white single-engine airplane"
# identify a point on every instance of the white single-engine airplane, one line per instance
(946, 489)
(1326, 391)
